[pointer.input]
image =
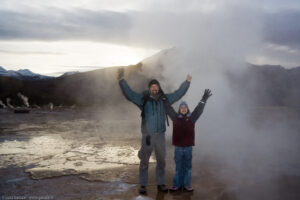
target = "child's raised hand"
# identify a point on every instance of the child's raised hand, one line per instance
(206, 95)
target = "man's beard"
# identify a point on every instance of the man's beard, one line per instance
(155, 96)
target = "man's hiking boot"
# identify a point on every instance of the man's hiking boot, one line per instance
(143, 190)
(162, 188)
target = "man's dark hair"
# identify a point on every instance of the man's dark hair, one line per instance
(152, 82)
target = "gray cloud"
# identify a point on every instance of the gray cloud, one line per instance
(59, 24)
(283, 28)
(133, 27)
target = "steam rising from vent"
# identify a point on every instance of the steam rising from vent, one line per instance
(2, 104)
(24, 99)
(51, 106)
(8, 100)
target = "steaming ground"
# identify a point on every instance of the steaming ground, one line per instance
(88, 154)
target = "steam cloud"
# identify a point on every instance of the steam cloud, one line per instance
(2, 104)
(24, 99)
(207, 47)
(8, 100)
(51, 106)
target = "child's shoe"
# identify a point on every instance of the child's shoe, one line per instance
(188, 189)
(174, 189)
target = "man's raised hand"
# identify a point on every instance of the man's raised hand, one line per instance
(120, 73)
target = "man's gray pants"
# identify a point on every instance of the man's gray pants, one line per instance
(157, 142)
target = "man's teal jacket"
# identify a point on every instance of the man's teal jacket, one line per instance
(154, 111)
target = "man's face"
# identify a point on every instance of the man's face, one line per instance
(183, 109)
(154, 88)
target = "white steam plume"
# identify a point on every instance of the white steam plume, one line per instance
(207, 46)
(8, 100)
(51, 106)
(24, 99)
(2, 104)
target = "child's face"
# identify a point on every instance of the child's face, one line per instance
(183, 109)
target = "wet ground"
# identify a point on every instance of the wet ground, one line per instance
(72, 154)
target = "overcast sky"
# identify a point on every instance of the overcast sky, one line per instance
(58, 35)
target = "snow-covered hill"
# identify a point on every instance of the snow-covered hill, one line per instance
(23, 74)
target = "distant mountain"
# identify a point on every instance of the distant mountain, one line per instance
(97, 87)
(268, 85)
(22, 74)
(70, 73)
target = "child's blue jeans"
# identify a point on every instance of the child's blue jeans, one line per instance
(183, 160)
